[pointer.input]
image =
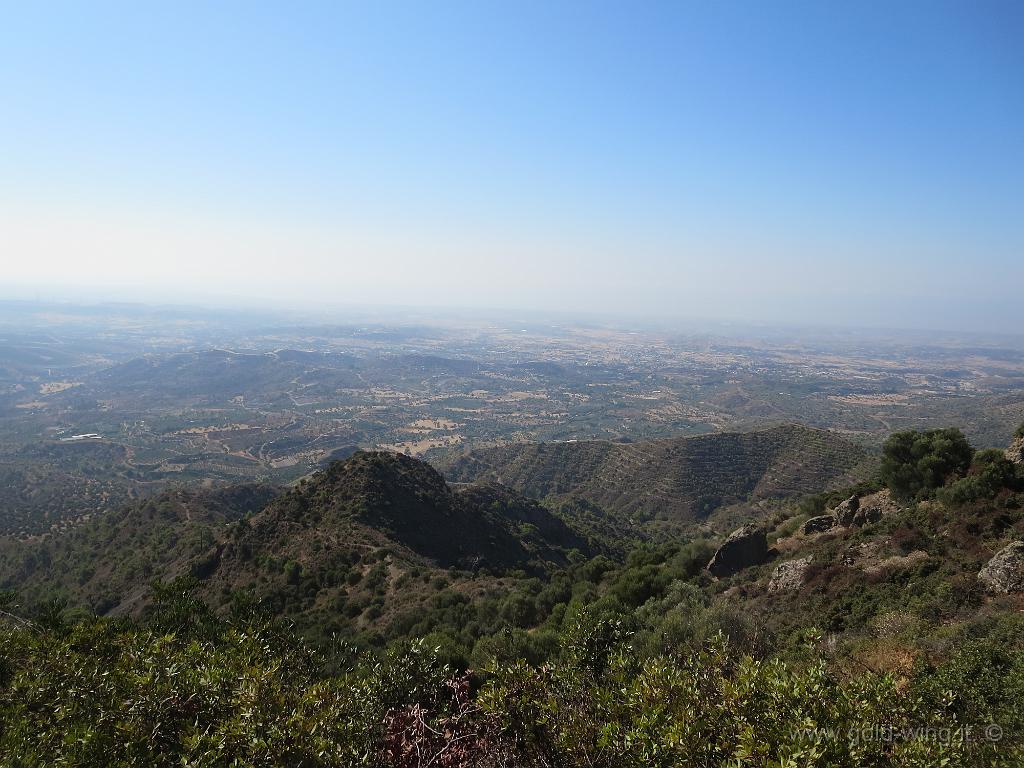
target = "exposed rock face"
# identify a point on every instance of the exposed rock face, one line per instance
(866, 515)
(745, 547)
(846, 510)
(873, 508)
(789, 575)
(1015, 452)
(1004, 573)
(819, 524)
(859, 511)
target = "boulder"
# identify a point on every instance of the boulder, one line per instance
(1004, 573)
(845, 511)
(789, 576)
(745, 547)
(819, 524)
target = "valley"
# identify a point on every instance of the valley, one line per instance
(178, 397)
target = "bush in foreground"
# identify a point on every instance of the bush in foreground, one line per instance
(101, 692)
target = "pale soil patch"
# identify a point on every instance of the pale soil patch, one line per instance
(383, 393)
(419, 447)
(53, 387)
(429, 425)
(674, 411)
(880, 399)
(515, 397)
(211, 430)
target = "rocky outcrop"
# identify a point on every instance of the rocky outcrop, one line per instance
(745, 547)
(845, 512)
(873, 508)
(789, 576)
(865, 516)
(819, 524)
(1015, 452)
(1004, 573)
(858, 511)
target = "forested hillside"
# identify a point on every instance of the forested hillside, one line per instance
(678, 479)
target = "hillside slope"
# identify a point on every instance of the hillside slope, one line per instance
(107, 563)
(325, 538)
(392, 500)
(680, 479)
(371, 540)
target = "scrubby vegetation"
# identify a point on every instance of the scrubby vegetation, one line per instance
(989, 473)
(188, 687)
(329, 629)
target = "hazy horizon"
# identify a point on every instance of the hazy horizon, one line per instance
(793, 164)
(248, 310)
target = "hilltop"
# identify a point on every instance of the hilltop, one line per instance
(389, 499)
(349, 546)
(376, 535)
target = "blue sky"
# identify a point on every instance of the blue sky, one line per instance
(820, 162)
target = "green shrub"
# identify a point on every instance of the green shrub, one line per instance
(116, 693)
(989, 474)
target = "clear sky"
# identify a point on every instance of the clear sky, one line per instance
(821, 162)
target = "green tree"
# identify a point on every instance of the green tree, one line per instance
(916, 463)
